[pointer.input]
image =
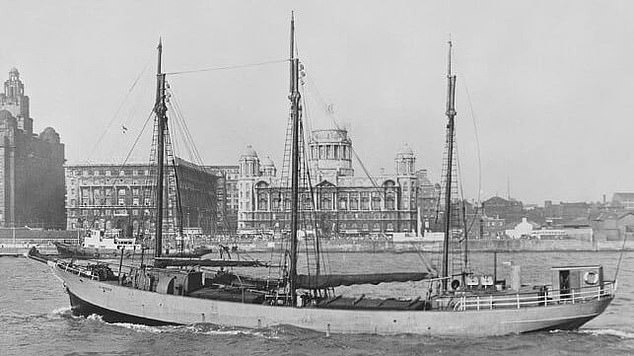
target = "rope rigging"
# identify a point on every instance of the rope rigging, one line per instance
(227, 67)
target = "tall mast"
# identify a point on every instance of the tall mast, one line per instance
(450, 113)
(294, 98)
(160, 109)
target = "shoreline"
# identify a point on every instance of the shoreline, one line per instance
(384, 246)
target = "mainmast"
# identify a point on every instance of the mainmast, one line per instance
(450, 113)
(294, 97)
(160, 109)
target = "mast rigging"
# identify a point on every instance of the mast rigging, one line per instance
(294, 97)
(450, 113)
(160, 109)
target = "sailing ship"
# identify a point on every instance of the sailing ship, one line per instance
(454, 304)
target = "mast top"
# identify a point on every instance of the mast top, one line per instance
(449, 58)
(292, 54)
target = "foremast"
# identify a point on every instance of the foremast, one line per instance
(450, 113)
(160, 109)
(294, 97)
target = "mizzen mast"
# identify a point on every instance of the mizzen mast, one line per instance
(450, 113)
(294, 97)
(160, 109)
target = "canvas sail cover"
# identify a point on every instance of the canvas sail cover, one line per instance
(336, 280)
(175, 261)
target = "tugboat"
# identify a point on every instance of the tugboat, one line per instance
(459, 304)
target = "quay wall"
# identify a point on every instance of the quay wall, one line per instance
(377, 246)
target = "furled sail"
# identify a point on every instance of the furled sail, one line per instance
(336, 280)
(175, 261)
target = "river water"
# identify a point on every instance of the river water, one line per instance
(35, 319)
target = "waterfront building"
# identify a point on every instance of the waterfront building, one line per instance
(111, 196)
(510, 210)
(492, 227)
(623, 201)
(565, 212)
(428, 196)
(227, 197)
(344, 204)
(613, 226)
(31, 165)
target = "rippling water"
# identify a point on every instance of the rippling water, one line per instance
(35, 318)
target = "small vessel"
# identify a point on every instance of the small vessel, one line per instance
(450, 303)
(100, 244)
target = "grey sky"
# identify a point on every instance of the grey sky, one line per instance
(550, 81)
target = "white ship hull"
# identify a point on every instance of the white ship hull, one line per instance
(118, 303)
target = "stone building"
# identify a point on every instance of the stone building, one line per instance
(511, 210)
(343, 204)
(227, 197)
(109, 196)
(31, 165)
(623, 201)
(428, 204)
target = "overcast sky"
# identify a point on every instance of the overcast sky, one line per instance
(549, 82)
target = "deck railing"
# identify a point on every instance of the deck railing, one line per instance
(67, 267)
(534, 299)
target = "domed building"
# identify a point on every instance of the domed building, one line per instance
(346, 204)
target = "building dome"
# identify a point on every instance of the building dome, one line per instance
(14, 70)
(268, 162)
(405, 150)
(49, 135)
(249, 152)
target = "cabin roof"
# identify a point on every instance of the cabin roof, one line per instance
(557, 268)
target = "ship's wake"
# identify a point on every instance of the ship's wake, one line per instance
(623, 334)
(200, 328)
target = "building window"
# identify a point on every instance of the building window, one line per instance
(95, 173)
(389, 202)
(376, 203)
(121, 191)
(354, 203)
(343, 204)
(263, 201)
(135, 201)
(121, 201)
(326, 203)
(365, 203)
